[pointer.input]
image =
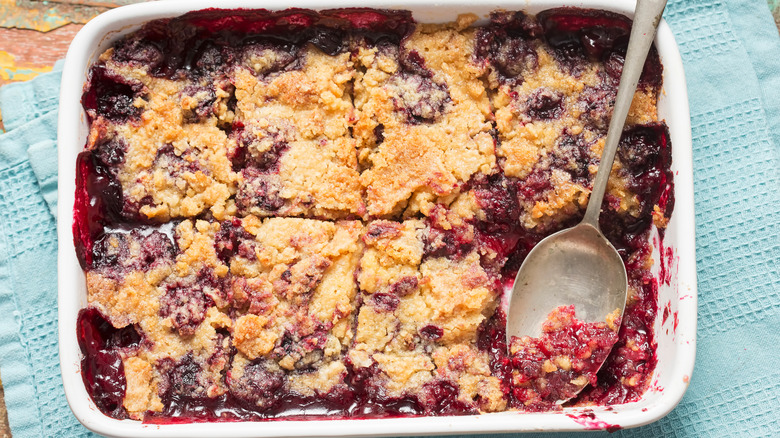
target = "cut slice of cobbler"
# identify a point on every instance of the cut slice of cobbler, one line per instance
(423, 126)
(418, 320)
(293, 299)
(174, 294)
(158, 140)
(291, 141)
(224, 303)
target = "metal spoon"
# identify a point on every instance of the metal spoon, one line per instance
(578, 265)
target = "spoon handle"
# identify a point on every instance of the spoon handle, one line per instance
(646, 18)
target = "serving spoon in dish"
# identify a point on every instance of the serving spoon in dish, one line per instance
(578, 266)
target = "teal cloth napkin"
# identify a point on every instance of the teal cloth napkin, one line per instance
(731, 55)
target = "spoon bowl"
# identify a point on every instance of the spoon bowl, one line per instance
(562, 270)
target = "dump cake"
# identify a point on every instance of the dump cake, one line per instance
(299, 213)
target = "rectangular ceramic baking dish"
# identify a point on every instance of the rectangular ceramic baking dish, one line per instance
(675, 262)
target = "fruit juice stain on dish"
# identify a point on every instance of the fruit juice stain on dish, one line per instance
(590, 422)
(175, 233)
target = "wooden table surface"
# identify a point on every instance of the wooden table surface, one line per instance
(36, 33)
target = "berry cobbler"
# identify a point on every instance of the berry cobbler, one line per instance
(296, 213)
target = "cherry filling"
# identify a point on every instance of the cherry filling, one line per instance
(262, 394)
(576, 35)
(116, 254)
(506, 44)
(99, 200)
(551, 369)
(111, 96)
(420, 97)
(202, 45)
(87, 212)
(186, 302)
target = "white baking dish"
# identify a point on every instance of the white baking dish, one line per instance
(676, 332)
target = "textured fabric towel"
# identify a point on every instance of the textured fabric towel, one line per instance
(730, 53)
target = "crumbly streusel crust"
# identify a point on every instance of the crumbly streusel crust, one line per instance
(300, 159)
(423, 125)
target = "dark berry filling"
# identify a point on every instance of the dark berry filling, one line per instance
(431, 332)
(110, 152)
(206, 97)
(259, 190)
(100, 202)
(576, 35)
(88, 211)
(646, 154)
(441, 398)
(258, 159)
(419, 97)
(544, 104)
(453, 243)
(370, 399)
(257, 387)
(115, 254)
(174, 162)
(111, 96)
(266, 161)
(230, 239)
(261, 393)
(648, 157)
(202, 44)
(186, 301)
(506, 44)
(416, 94)
(571, 156)
(181, 378)
(497, 197)
(101, 367)
(140, 52)
(385, 302)
(404, 286)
